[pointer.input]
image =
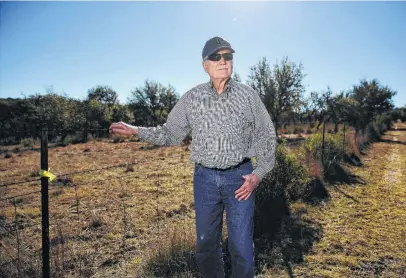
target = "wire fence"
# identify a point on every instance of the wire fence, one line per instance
(110, 207)
(56, 134)
(76, 217)
(80, 217)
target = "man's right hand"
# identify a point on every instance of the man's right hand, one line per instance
(123, 129)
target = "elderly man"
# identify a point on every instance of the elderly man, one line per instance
(229, 126)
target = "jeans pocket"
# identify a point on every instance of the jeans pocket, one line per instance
(245, 169)
(198, 169)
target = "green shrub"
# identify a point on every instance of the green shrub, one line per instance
(372, 132)
(67, 140)
(383, 122)
(288, 176)
(287, 182)
(90, 138)
(27, 142)
(333, 148)
(72, 139)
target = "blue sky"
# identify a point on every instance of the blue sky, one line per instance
(74, 46)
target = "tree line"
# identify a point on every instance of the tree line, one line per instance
(25, 117)
(280, 86)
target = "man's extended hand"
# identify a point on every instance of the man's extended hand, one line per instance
(245, 191)
(123, 129)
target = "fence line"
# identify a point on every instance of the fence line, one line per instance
(19, 226)
(16, 226)
(128, 163)
(108, 167)
(45, 190)
(87, 183)
(86, 171)
(21, 195)
(108, 129)
(53, 130)
(4, 134)
(19, 182)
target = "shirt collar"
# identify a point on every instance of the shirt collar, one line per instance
(226, 91)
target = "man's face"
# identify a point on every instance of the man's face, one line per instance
(219, 69)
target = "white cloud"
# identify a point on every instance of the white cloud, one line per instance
(234, 19)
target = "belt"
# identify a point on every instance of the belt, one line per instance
(246, 160)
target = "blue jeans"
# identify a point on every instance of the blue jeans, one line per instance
(214, 191)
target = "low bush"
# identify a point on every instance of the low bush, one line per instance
(288, 176)
(334, 150)
(27, 142)
(69, 139)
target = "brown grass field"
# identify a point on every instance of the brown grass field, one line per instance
(137, 220)
(363, 226)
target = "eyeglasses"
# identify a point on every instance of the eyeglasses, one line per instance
(217, 57)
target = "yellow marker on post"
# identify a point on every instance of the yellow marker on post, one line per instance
(47, 174)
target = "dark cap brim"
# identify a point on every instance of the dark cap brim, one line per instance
(220, 48)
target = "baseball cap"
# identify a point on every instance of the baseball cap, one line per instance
(215, 44)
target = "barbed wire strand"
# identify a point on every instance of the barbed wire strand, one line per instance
(134, 176)
(53, 130)
(19, 182)
(125, 164)
(38, 129)
(15, 226)
(21, 195)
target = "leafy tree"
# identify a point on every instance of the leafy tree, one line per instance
(335, 111)
(237, 77)
(99, 106)
(121, 113)
(152, 102)
(167, 99)
(103, 94)
(98, 115)
(373, 99)
(280, 88)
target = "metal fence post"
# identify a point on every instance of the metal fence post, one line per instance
(44, 204)
(322, 143)
(344, 139)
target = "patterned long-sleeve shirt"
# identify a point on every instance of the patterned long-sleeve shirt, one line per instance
(226, 128)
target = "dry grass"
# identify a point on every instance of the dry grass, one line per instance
(363, 236)
(138, 220)
(120, 209)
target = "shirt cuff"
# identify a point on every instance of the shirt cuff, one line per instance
(260, 173)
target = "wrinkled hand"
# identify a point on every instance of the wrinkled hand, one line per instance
(245, 191)
(123, 129)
